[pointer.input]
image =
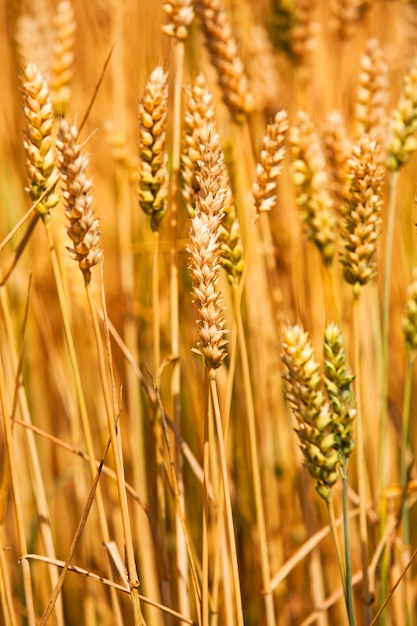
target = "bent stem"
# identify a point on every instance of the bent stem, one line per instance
(226, 490)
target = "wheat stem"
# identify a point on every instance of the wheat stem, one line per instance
(361, 468)
(348, 561)
(256, 474)
(118, 463)
(27, 582)
(228, 503)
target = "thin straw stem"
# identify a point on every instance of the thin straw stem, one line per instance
(336, 540)
(33, 457)
(360, 456)
(383, 448)
(81, 406)
(182, 565)
(228, 503)
(256, 475)
(27, 582)
(205, 527)
(348, 561)
(118, 463)
(404, 481)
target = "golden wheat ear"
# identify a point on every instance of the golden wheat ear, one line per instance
(180, 14)
(153, 180)
(360, 228)
(38, 139)
(204, 258)
(84, 227)
(62, 65)
(224, 55)
(309, 173)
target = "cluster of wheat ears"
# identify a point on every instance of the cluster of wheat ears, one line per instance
(208, 312)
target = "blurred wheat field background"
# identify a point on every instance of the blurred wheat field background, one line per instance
(208, 312)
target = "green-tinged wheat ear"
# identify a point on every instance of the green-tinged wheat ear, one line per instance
(403, 124)
(337, 150)
(372, 93)
(204, 259)
(62, 57)
(361, 213)
(180, 14)
(38, 141)
(338, 380)
(318, 439)
(225, 57)
(84, 227)
(311, 184)
(153, 178)
(199, 114)
(270, 163)
(410, 316)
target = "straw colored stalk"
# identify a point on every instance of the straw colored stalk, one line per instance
(180, 14)
(311, 182)
(38, 140)
(410, 339)
(62, 64)
(224, 55)
(372, 93)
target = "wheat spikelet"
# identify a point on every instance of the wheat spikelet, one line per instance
(225, 57)
(38, 141)
(304, 30)
(199, 113)
(337, 150)
(403, 124)
(180, 15)
(311, 186)
(270, 164)
(338, 380)
(346, 14)
(62, 65)
(153, 182)
(372, 93)
(84, 227)
(204, 259)
(359, 231)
